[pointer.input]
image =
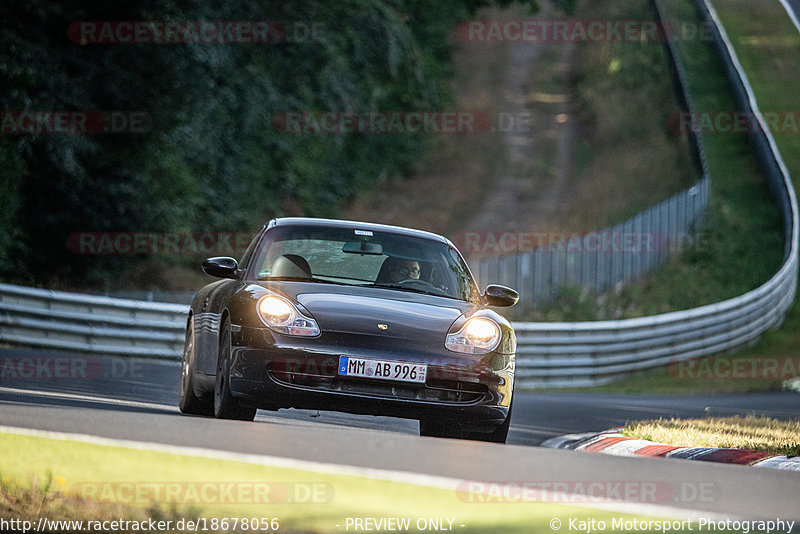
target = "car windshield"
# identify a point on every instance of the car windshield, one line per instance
(362, 258)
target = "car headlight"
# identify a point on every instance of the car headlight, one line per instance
(282, 316)
(479, 335)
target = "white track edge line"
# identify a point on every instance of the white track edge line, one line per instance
(791, 13)
(89, 398)
(432, 481)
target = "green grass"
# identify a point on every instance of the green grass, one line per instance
(761, 434)
(773, 73)
(629, 160)
(740, 210)
(768, 46)
(740, 245)
(51, 478)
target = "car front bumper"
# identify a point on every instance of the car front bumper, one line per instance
(271, 371)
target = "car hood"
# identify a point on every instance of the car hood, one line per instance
(398, 317)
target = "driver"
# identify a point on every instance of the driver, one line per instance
(404, 270)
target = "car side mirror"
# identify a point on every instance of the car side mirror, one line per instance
(500, 296)
(221, 267)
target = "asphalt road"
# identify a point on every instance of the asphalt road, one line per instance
(136, 400)
(795, 7)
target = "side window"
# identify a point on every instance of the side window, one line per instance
(268, 256)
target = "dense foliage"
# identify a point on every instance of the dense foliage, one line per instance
(209, 157)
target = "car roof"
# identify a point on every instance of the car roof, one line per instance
(356, 225)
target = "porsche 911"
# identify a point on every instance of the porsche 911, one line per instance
(354, 317)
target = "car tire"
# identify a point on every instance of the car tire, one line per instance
(188, 401)
(499, 434)
(225, 406)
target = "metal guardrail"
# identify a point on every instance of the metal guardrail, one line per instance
(549, 354)
(655, 234)
(591, 353)
(84, 323)
(574, 354)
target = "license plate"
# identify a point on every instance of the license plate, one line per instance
(382, 369)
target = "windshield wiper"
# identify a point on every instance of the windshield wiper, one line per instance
(300, 279)
(410, 289)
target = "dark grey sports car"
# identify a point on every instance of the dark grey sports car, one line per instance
(354, 317)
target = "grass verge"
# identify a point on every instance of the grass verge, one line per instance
(629, 160)
(762, 434)
(769, 49)
(86, 481)
(740, 245)
(739, 373)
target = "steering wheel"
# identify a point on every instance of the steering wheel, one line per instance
(416, 282)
